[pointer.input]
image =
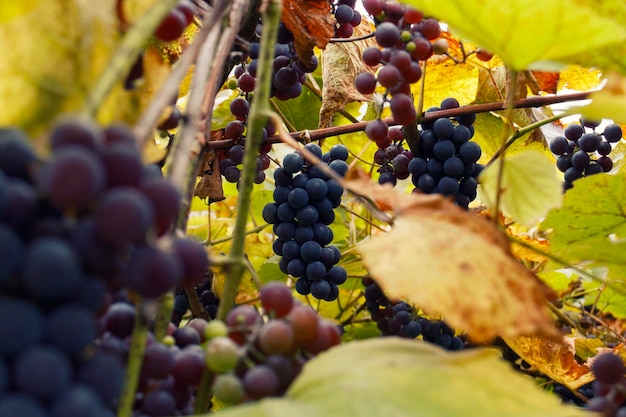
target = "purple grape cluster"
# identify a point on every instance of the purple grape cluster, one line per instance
(447, 161)
(581, 151)
(346, 16)
(289, 71)
(172, 368)
(400, 319)
(392, 157)
(404, 36)
(74, 230)
(304, 199)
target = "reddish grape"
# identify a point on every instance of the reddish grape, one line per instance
(304, 322)
(172, 26)
(276, 299)
(365, 83)
(276, 337)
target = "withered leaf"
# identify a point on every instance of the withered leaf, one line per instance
(311, 23)
(457, 265)
(556, 360)
(341, 63)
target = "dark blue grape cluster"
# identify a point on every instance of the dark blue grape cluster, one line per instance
(582, 151)
(74, 230)
(447, 160)
(346, 16)
(400, 319)
(304, 200)
(392, 158)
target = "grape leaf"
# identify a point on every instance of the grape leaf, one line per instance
(53, 53)
(529, 188)
(311, 24)
(526, 33)
(301, 112)
(609, 102)
(556, 360)
(455, 264)
(446, 79)
(341, 63)
(354, 380)
(588, 230)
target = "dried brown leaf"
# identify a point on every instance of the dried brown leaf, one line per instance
(311, 23)
(341, 63)
(555, 360)
(456, 264)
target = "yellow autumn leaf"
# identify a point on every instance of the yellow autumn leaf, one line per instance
(608, 103)
(454, 264)
(555, 360)
(53, 51)
(529, 187)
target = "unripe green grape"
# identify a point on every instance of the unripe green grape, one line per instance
(228, 388)
(215, 328)
(222, 354)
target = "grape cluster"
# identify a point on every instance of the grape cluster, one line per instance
(582, 152)
(447, 161)
(75, 229)
(289, 71)
(303, 205)
(400, 319)
(404, 36)
(256, 356)
(347, 18)
(392, 157)
(171, 368)
(609, 386)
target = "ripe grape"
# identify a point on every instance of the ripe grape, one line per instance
(172, 26)
(608, 368)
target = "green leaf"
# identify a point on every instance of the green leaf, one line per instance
(301, 112)
(536, 34)
(407, 378)
(530, 187)
(588, 230)
(608, 103)
(488, 133)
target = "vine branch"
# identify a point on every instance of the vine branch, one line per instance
(320, 134)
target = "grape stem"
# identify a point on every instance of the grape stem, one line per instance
(126, 54)
(135, 360)
(257, 119)
(320, 134)
(355, 39)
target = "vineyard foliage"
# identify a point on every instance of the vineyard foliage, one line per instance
(528, 262)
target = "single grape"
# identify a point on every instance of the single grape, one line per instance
(387, 34)
(276, 299)
(612, 133)
(559, 145)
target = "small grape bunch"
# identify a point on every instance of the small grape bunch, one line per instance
(393, 158)
(303, 205)
(447, 160)
(401, 319)
(404, 36)
(582, 152)
(346, 16)
(289, 71)
(609, 386)
(259, 355)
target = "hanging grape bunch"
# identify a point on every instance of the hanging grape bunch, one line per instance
(582, 152)
(347, 18)
(304, 200)
(404, 36)
(447, 161)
